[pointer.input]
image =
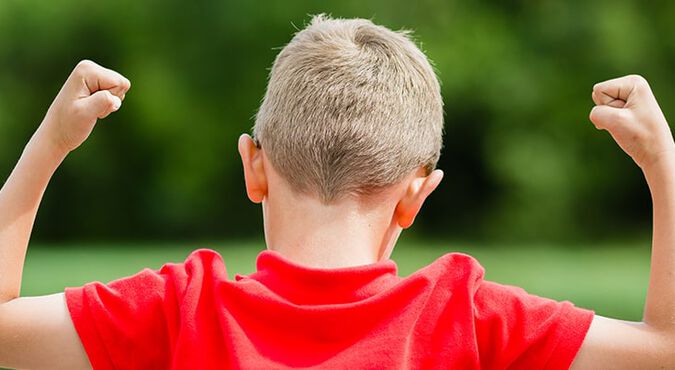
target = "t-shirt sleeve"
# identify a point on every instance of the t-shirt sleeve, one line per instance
(517, 330)
(124, 324)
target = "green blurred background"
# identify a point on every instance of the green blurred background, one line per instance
(540, 197)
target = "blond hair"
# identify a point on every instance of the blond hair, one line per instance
(351, 107)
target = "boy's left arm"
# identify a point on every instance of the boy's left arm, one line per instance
(37, 332)
(627, 109)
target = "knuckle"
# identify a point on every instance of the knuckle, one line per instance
(639, 81)
(83, 68)
(594, 113)
(84, 64)
(124, 84)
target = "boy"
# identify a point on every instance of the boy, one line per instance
(346, 141)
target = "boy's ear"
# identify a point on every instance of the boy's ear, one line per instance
(415, 194)
(254, 170)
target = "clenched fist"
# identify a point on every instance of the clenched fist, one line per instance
(627, 108)
(91, 92)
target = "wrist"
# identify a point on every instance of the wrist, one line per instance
(48, 135)
(664, 162)
(46, 141)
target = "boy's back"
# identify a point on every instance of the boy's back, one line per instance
(290, 316)
(344, 155)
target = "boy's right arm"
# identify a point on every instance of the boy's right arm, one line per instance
(627, 109)
(37, 332)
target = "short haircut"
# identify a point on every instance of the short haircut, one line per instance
(351, 107)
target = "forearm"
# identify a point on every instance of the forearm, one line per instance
(660, 304)
(19, 201)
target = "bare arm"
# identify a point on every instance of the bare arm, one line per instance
(37, 332)
(627, 109)
(19, 201)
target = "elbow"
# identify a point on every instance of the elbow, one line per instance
(660, 323)
(7, 297)
(661, 341)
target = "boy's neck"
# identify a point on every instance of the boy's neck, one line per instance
(313, 234)
(315, 255)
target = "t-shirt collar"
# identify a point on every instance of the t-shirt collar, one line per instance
(309, 285)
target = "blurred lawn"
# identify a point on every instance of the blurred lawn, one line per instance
(609, 279)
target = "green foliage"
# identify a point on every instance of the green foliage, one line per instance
(521, 159)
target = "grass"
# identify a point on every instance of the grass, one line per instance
(612, 280)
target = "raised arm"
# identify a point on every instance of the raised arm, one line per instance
(37, 332)
(627, 109)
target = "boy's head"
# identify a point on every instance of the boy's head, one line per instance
(346, 140)
(351, 107)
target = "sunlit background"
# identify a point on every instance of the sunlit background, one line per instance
(540, 197)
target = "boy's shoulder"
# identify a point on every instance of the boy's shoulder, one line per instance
(199, 261)
(454, 268)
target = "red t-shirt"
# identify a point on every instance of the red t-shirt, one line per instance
(191, 316)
